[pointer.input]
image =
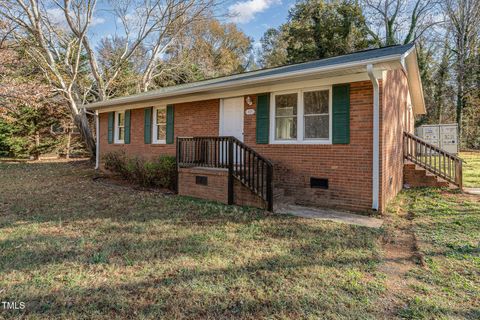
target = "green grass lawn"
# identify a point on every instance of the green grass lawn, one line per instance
(446, 225)
(74, 248)
(471, 169)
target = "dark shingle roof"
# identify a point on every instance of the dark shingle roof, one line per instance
(327, 62)
(359, 56)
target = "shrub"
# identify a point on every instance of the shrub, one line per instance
(164, 171)
(160, 172)
(117, 162)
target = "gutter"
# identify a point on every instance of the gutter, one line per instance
(376, 138)
(97, 140)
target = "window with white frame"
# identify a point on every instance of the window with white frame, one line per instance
(160, 124)
(316, 114)
(286, 106)
(119, 127)
(302, 116)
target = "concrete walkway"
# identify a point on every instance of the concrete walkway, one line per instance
(329, 214)
(474, 191)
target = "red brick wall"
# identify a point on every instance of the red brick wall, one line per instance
(242, 196)
(191, 119)
(348, 167)
(393, 121)
(217, 187)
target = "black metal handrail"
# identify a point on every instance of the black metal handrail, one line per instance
(243, 163)
(432, 158)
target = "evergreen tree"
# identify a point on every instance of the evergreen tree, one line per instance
(317, 29)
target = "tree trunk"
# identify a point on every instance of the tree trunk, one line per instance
(81, 121)
(69, 140)
(37, 145)
(459, 116)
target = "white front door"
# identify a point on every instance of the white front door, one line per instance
(231, 118)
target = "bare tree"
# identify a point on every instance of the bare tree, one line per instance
(67, 56)
(400, 21)
(55, 51)
(155, 26)
(464, 20)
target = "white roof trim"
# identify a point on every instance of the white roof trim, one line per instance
(410, 65)
(153, 95)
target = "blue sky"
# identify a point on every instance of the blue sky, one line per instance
(253, 17)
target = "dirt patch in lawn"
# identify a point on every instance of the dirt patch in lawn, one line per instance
(400, 256)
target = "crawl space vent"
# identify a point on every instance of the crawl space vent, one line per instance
(318, 183)
(201, 180)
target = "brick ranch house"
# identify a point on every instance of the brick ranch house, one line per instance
(326, 133)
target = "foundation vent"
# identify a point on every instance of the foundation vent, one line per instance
(318, 183)
(201, 180)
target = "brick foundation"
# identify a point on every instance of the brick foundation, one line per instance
(216, 188)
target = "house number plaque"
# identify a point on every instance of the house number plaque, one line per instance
(250, 112)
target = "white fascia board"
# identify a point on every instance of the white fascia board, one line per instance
(241, 82)
(410, 66)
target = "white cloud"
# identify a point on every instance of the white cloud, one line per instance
(245, 11)
(97, 21)
(57, 16)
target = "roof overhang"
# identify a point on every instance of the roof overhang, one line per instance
(410, 65)
(259, 84)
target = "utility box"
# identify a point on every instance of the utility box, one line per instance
(444, 136)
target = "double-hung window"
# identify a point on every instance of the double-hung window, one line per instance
(160, 124)
(302, 116)
(286, 107)
(316, 105)
(120, 127)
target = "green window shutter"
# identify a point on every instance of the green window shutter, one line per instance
(170, 123)
(127, 127)
(148, 125)
(341, 114)
(263, 118)
(111, 120)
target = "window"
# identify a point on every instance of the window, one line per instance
(316, 115)
(303, 116)
(286, 116)
(119, 127)
(160, 124)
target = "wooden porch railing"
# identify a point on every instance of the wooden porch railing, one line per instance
(433, 159)
(243, 163)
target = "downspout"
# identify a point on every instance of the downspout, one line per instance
(97, 141)
(376, 138)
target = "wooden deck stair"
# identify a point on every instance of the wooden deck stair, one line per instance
(427, 165)
(417, 176)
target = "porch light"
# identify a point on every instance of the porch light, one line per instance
(248, 100)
